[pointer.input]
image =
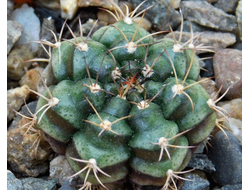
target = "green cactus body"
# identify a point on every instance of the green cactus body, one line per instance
(162, 66)
(117, 127)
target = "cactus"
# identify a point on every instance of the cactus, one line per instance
(124, 104)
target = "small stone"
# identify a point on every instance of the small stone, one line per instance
(207, 15)
(86, 27)
(60, 169)
(233, 107)
(210, 87)
(46, 34)
(239, 17)
(145, 23)
(68, 185)
(230, 187)
(32, 78)
(175, 3)
(31, 25)
(110, 19)
(197, 181)
(14, 31)
(50, 4)
(227, 158)
(16, 67)
(18, 121)
(105, 17)
(13, 183)
(15, 99)
(207, 70)
(22, 154)
(195, 27)
(31, 183)
(10, 7)
(227, 6)
(216, 40)
(97, 3)
(201, 162)
(235, 127)
(68, 8)
(227, 65)
(159, 15)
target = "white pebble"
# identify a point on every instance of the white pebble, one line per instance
(31, 24)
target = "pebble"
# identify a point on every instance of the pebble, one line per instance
(10, 7)
(217, 40)
(230, 187)
(50, 4)
(233, 107)
(16, 67)
(15, 99)
(207, 70)
(210, 87)
(227, 65)
(21, 155)
(227, 6)
(98, 3)
(21, 150)
(108, 18)
(46, 34)
(13, 183)
(160, 15)
(175, 3)
(18, 121)
(145, 23)
(207, 15)
(68, 8)
(14, 31)
(198, 182)
(31, 24)
(235, 126)
(227, 158)
(68, 185)
(195, 27)
(239, 17)
(201, 162)
(31, 183)
(32, 78)
(60, 169)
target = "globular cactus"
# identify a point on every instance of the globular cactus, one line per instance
(123, 104)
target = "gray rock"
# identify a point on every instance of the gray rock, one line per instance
(13, 183)
(209, 1)
(31, 24)
(201, 162)
(197, 183)
(227, 158)
(227, 6)
(159, 15)
(217, 40)
(10, 7)
(46, 34)
(68, 185)
(239, 17)
(31, 183)
(230, 187)
(227, 64)
(196, 27)
(60, 169)
(14, 31)
(207, 15)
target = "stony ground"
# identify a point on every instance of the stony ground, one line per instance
(217, 163)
